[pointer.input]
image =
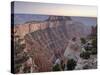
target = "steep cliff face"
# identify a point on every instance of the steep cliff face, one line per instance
(26, 28)
(46, 41)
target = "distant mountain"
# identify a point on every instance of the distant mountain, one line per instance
(22, 18)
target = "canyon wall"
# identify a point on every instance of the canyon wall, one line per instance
(47, 40)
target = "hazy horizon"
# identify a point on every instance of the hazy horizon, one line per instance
(22, 18)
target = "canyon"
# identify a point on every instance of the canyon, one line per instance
(47, 40)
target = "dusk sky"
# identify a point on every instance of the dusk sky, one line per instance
(54, 9)
(26, 11)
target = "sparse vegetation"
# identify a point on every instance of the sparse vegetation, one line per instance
(94, 43)
(56, 67)
(85, 55)
(71, 64)
(83, 41)
(94, 51)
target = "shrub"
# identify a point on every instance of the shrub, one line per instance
(94, 51)
(56, 67)
(94, 43)
(71, 64)
(85, 55)
(83, 41)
